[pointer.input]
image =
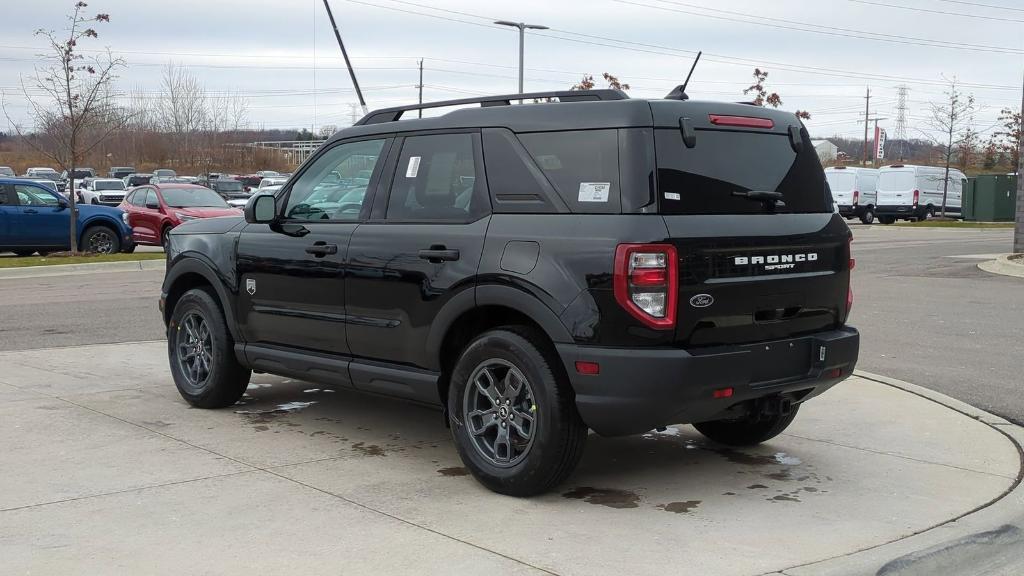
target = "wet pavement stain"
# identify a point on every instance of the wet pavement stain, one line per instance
(728, 493)
(737, 457)
(784, 476)
(756, 486)
(680, 507)
(453, 471)
(368, 449)
(784, 498)
(261, 428)
(609, 497)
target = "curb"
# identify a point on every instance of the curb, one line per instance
(986, 540)
(69, 269)
(1002, 265)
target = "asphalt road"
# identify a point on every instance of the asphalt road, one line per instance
(926, 313)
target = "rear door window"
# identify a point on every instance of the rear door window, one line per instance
(436, 180)
(582, 165)
(703, 179)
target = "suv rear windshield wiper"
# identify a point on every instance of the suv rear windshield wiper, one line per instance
(759, 195)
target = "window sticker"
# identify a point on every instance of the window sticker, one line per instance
(414, 167)
(672, 196)
(594, 191)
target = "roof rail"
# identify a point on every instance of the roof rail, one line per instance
(395, 113)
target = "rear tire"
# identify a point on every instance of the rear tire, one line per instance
(886, 219)
(868, 216)
(512, 413)
(102, 240)
(165, 238)
(202, 353)
(746, 431)
(24, 253)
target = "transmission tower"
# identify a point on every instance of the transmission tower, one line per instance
(901, 120)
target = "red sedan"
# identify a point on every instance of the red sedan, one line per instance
(154, 209)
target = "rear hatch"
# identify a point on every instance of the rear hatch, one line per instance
(842, 182)
(753, 266)
(896, 187)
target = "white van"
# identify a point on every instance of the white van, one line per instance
(906, 191)
(853, 189)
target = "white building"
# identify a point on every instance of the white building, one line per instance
(826, 150)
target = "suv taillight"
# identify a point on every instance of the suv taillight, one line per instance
(856, 197)
(646, 283)
(917, 196)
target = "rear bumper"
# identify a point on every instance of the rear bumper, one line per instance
(901, 210)
(850, 211)
(638, 390)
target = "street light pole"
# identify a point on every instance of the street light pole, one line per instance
(522, 26)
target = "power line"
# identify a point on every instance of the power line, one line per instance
(825, 30)
(942, 12)
(993, 6)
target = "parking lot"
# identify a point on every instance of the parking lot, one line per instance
(103, 455)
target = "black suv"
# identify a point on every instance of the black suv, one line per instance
(537, 270)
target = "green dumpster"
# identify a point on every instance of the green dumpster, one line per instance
(990, 198)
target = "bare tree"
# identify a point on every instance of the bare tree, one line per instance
(71, 100)
(181, 109)
(968, 144)
(763, 97)
(1010, 134)
(950, 121)
(587, 82)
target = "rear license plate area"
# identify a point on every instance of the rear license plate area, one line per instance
(780, 361)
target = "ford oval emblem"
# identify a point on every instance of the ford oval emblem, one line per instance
(702, 300)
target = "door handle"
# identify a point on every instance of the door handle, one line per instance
(321, 249)
(31, 211)
(438, 254)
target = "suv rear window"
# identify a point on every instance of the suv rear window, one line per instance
(702, 179)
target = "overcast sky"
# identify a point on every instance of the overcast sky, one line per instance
(282, 55)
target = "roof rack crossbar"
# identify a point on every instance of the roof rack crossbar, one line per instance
(395, 113)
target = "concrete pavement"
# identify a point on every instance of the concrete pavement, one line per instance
(107, 470)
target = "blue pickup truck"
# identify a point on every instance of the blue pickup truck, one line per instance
(34, 218)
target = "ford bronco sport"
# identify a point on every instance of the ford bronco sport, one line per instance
(594, 262)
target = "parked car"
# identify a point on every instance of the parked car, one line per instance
(134, 180)
(120, 171)
(79, 175)
(164, 173)
(271, 181)
(34, 218)
(170, 180)
(265, 173)
(853, 189)
(632, 264)
(229, 189)
(250, 181)
(153, 210)
(6, 171)
(43, 174)
(915, 192)
(106, 191)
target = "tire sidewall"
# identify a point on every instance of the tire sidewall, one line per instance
(512, 348)
(203, 303)
(115, 242)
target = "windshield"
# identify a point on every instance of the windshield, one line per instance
(228, 186)
(841, 181)
(193, 198)
(109, 185)
(166, 173)
(896, 180)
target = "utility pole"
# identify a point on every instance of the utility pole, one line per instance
(867, 114)
(344, 53)
(1018, 230)
(420, 86)
(522, 26)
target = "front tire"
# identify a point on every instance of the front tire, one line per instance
(202, 353)
(102, 240)
(747, 431)
(512, 414)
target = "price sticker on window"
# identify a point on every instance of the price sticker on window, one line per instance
(594, 191)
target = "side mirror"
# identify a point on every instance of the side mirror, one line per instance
(153, 205)
(62, 202)
(261, 209)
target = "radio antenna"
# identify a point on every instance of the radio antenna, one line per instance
(687, 81)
